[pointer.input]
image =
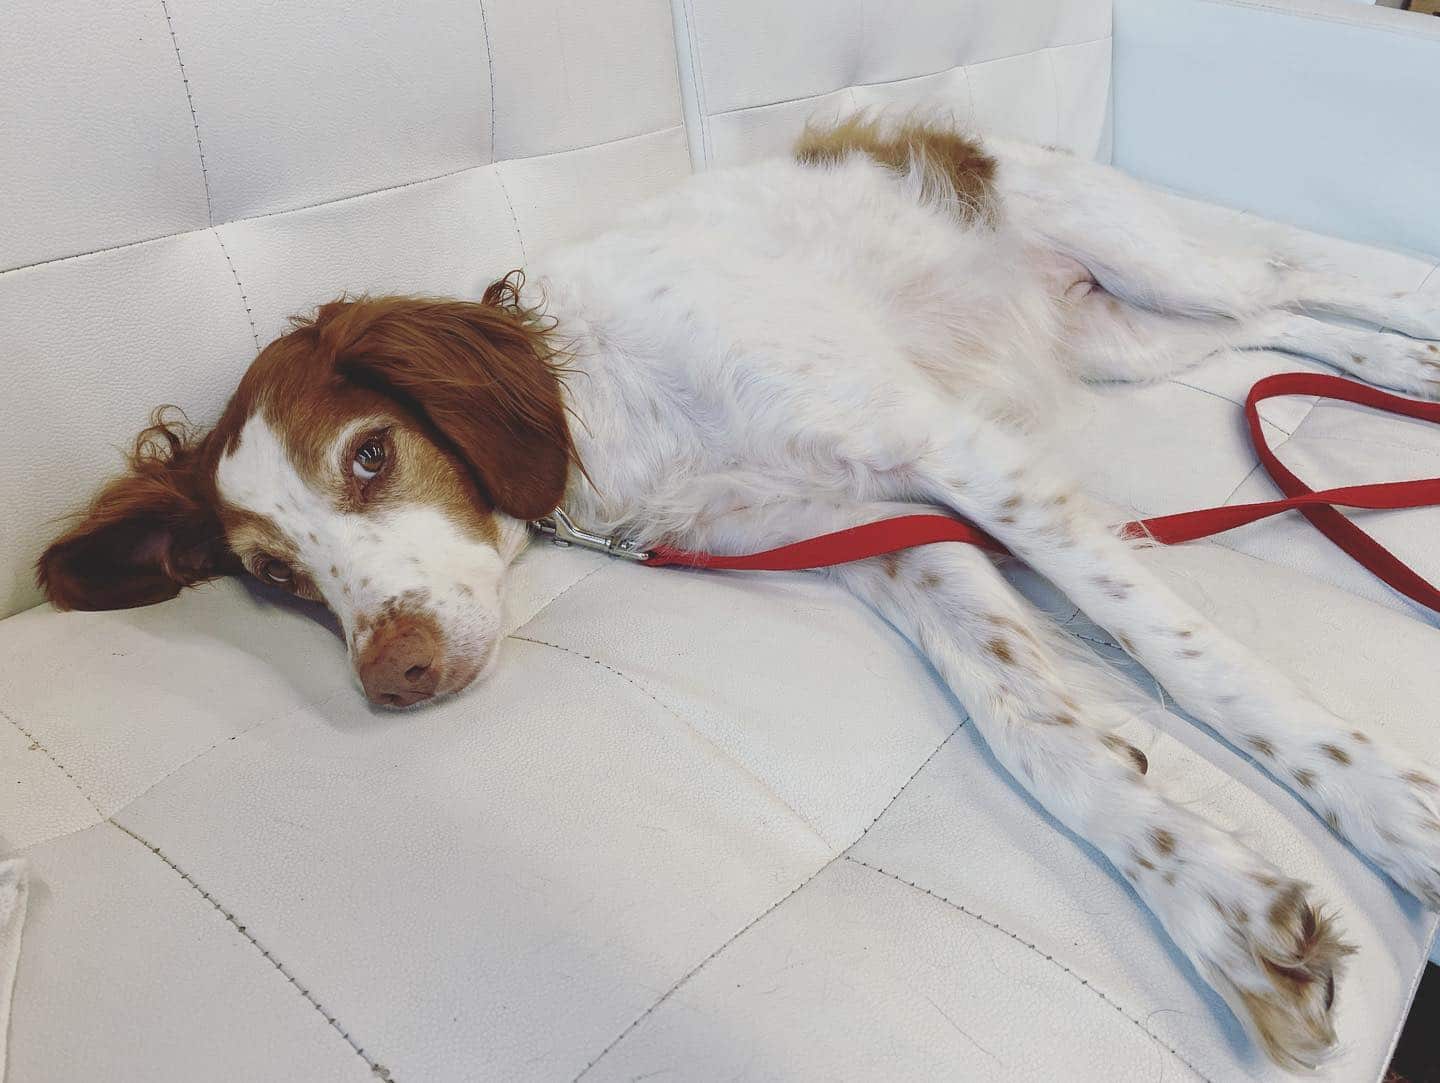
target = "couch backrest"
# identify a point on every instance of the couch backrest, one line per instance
(754, 70)
(178, 177)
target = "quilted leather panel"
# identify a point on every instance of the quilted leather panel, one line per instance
(91, 346)
(518, 926)
(1038, 71)
(291, 112)
(98, 145)
(341, 152)
(111, 927)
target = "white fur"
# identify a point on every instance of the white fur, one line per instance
(771, 352)
(767, 352)
(408, 554)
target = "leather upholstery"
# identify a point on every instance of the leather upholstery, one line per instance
(713, 825)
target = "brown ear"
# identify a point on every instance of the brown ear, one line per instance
(144, 537)
(484, 375)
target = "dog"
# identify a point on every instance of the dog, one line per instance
(886, 318)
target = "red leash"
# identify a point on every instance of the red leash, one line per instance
(907, 531)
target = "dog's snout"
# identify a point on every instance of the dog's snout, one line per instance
(400, 664)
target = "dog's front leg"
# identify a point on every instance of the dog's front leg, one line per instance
(1382, 800)
(1252, 932)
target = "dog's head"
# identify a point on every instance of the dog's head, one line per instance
(376, 458)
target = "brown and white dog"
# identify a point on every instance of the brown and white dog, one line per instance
(775, 351)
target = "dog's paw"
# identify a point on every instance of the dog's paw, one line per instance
(1255, 935)
(1406, 364)
(1279, 959)
(1383, 804)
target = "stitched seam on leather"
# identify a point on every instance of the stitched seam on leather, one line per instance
(702, 99)
(1318, 17)
(340, 199)
(905, 785)
(774, 906)
(911, 78)
(1043, 954)
(700, 965)
(504, 191)
(724, 753)
(557, 596)
(239, 286)
(36, 746)
(194, 118)
(489, 63)
(1055, 85)
(375, 1066)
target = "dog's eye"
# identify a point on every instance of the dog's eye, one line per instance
(275, 571)
(368, 459)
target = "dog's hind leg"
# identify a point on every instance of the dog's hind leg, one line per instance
(1104, 338)
(1139, 249)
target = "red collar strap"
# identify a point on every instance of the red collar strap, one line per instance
(907, 531)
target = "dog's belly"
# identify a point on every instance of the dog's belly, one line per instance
(782, 331)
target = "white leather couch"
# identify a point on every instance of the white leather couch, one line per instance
(696, 826)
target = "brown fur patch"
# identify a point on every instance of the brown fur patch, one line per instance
(952, 160)
(477, 383)
(1360, 738)
(1261, 745)
(891, 563)
(1001, 650)
(1163, 841)
(1420, 779)
(1125, 748)
(929, 581)
(1305, 777)
(1339, 755)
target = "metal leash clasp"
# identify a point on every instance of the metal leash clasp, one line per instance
(564, 532)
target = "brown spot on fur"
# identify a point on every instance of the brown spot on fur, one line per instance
(1063, 720)
(1169, 877)
(1112, 587)
(1007, 520)
(1433, 348)
(1163, 841)
(1125, 748)
(1357, 359)
(891, 563)
(1360, 738)
(1145, 862)
(1001, 650)
(1305, 777)
(1190, 652)
(1125, 643)
(312, 537)
(929, 581)
(1261, 745)
(959, 164)
(1420, 779)
(1185, 633)
(334, 572)
(1339, 755)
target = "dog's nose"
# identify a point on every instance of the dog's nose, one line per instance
(398, 665)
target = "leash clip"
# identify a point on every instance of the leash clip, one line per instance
(564, 533)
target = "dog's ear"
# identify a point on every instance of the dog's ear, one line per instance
(146, 535)
(482, 374)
